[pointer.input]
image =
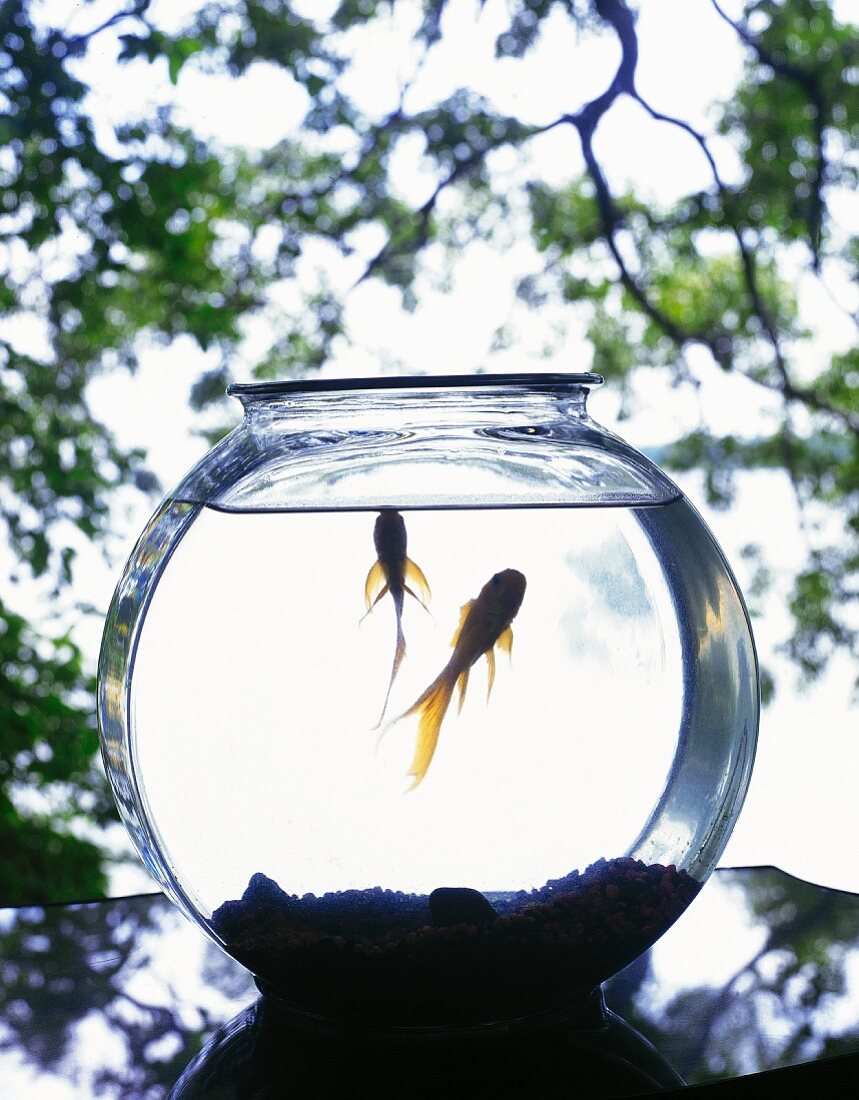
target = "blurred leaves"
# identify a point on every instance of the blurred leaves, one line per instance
(798, 102)
(48, 741)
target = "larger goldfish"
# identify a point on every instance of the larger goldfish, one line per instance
(389, 573)
(483, 624)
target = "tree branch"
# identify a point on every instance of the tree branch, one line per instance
(422, 216)
(777, 938)
(77, 43)
(750, 274)
(585, 121)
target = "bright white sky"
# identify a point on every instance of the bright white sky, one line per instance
(801, 809)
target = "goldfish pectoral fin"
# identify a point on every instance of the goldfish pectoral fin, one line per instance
(490, 660)
(462, 685)
(505, 640)
(375, 580)
(414, 573)
(415, 596)
(432, 707)
(463, 615)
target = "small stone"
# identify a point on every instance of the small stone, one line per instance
(261, 889)
(452, 905)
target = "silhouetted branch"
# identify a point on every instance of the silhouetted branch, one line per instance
(746, 255)
(77, 42)
(750, 275)
(850, 314)
(422, 217)
(778, 938)
(585, 121)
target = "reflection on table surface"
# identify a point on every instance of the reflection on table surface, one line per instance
(115, 998)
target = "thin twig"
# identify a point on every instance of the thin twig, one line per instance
(759, 307)
(77, 42)
(422, 217)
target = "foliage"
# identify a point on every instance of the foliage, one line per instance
(48, 740)
(115, 238)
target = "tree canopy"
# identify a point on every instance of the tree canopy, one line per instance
(118, 237)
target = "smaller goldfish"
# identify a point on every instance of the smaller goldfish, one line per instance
(483, 624)
(389, 574)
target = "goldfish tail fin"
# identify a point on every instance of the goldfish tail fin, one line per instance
(462, 684)
(414, 573)
(399, 653)
(432, 707)
(490, 660)
(374, 582)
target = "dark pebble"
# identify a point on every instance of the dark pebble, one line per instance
(451, 905)
(265, 891)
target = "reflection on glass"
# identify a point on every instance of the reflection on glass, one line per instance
(263, 1052)
(110, 999)
(764, 973)
(116, 999)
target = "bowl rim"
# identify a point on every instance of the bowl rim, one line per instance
(520, 380)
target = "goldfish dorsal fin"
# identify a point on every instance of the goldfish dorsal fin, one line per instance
(463, 615)
(375, 581)
(490, 660)
(462, 684)
(414, 573)
(505, 640)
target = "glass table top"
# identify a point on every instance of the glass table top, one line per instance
(117, 998)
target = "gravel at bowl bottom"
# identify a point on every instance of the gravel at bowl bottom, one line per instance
(455, 957)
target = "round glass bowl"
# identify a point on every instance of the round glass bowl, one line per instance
(430, 700)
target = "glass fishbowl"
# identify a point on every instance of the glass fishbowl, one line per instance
(430, 700)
